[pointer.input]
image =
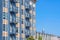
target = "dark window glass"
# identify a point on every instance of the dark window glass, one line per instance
(21, 11)
(27, 10)
(27, 19)
(16, 29)
(3, 27)
(22, 31)
(22, 22)
(21, 1)
(3, 38)
(5, 15)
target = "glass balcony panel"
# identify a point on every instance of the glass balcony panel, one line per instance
(13, 9)
(12, 31)
(27, 33)
(27, 24)
(27, 15)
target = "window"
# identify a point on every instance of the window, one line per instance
(16, 30)
(17, 19)
(30, 11)
(3, 38)
(5, 27)
(27, 10)
(18, 0)
(5, 4)
(27, 19)
(27, 1)
(21, 1)
(21, 11)
(5, 15)
(16, 38)
(10, 18)
(11, 38)
(22, 31)
(22, 7)
(27, 28)
(22, 22)
(10, 29)
(26, 5)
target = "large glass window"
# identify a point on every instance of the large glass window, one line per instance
(21, 11)
(5, 27)
(27, 19)
(5, 3)
(21, 1)
(5, 15)
(10, 29)
(5, 38)
(16, 29)
(11, 38)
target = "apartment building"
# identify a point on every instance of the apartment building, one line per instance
(17, 19)
(46, 36)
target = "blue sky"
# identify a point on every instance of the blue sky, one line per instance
(48, 16)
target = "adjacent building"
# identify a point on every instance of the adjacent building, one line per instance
(17, 19)
(47, 36)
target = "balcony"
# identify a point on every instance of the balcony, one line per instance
(13, 21)
(27, 24)
(13, 1)
(27, 10)
(27, 34)
(12, 32)
(27, 15)
(13, 9)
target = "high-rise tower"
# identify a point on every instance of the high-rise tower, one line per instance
(17, 19)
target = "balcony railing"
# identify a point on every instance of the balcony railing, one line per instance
(27, 10)
(13, 21)
(27, 15)
(12, 32)
(27, 33)
(13, 9)
(27, 24)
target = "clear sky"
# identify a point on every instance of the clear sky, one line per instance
(48, 16)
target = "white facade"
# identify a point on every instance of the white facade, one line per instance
(47, 36)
